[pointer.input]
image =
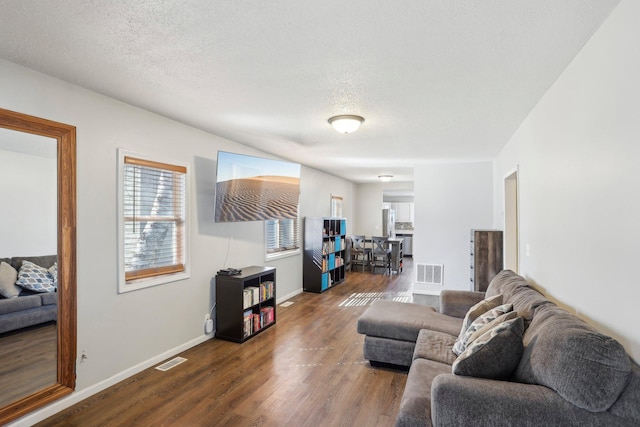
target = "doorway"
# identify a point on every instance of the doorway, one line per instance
(511, 246)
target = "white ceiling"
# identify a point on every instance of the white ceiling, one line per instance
(437, 81)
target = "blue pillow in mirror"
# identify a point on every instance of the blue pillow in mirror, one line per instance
(35, 278)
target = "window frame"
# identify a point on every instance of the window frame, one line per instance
(162, 275)
(270, 256)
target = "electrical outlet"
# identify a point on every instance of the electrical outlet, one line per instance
(207, 317)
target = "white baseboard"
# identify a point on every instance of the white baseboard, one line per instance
(427, 292)
(79, 395)
(286, 297)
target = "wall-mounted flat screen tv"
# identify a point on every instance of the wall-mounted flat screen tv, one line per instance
(254, 189)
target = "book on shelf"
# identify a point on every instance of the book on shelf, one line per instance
(267, 315)
(266, 290)
(330, 246)
(247, 298)
(254, 295)
(248, 323)
(257, 322)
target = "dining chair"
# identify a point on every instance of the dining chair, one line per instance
(380, 253)
(360, 254)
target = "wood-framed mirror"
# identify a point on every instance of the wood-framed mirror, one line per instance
(65, 138)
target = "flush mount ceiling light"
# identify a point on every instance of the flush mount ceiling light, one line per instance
(346, 123)
(385, 178)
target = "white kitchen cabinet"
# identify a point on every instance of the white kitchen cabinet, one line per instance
(404, 212)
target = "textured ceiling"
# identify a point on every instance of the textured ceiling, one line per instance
(437, 81)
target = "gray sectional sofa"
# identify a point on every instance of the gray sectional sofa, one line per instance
(29, 308)
(537, 365)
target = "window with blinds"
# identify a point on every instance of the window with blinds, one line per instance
(282, 237)
(153, 219)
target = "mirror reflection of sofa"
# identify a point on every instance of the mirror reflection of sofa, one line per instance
(28, 294)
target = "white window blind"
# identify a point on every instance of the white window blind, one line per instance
(153, 217)
(281, 236)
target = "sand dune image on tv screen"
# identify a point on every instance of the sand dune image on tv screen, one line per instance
(257, 198)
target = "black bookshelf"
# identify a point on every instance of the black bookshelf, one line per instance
(324, 253)
(233, 306)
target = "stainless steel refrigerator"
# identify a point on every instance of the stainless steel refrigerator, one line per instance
(389, 223)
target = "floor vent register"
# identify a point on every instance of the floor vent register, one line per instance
(171, 364)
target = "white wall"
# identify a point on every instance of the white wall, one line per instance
(121, 333)
(578, 154)
(368, 212)
(28, 196)
(316, 198)
(450, 200)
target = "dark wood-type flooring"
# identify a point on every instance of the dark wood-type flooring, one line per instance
(307, 370)
(28, 361)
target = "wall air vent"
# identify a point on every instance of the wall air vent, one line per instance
(429, 274)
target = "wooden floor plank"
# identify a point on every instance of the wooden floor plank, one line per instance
(307, 370)
(28, 361)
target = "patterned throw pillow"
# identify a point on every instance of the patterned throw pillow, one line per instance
(495, 354)
(53, 271)
(35, 278)
(489, 316)
(500, 319)
(479, 309)
(8, 277)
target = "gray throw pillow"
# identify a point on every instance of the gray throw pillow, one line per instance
(8, 277)
(495, 354)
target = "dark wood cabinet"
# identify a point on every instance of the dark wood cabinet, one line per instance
(397, 254)
(323, 264)
(486, 257)
(245, 303)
